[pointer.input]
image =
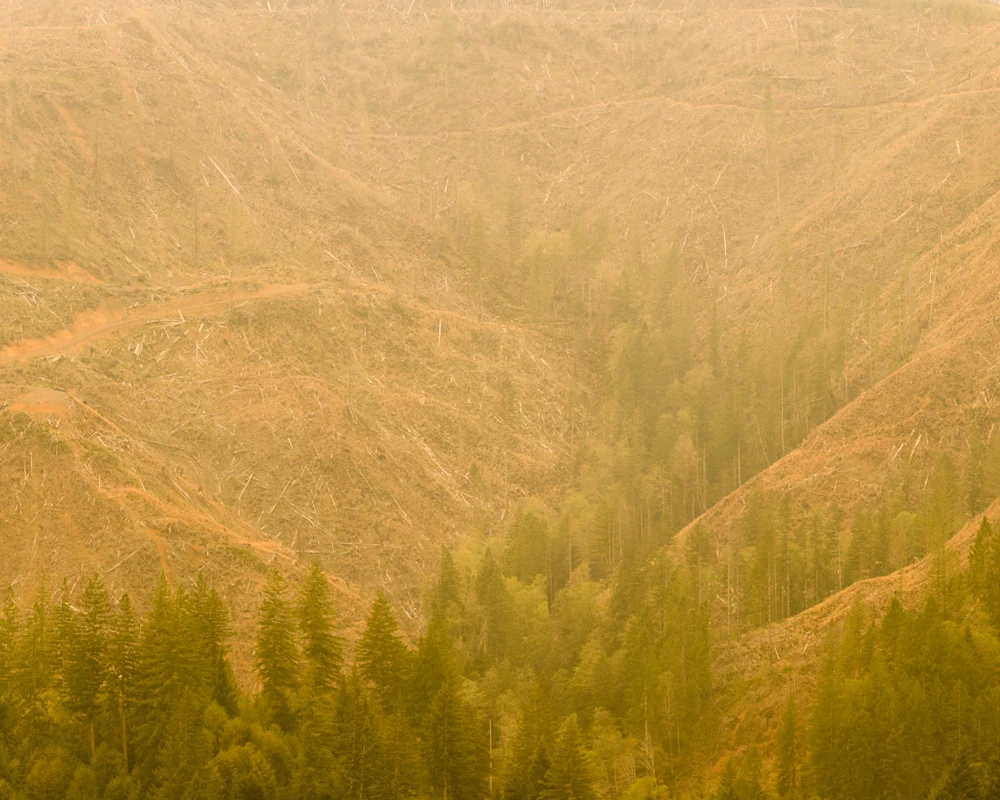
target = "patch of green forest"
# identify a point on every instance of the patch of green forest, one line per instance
(692, 400)
(590, 693)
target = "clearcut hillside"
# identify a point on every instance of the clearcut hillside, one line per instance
(296, 280)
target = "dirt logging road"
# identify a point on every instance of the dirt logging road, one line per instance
(92, 324)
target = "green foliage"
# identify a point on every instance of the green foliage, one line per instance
(899, 705)
(277, 653)
(381, 655)
(493, 603)
(86, 666)
(741, 784)
(596, 691)
(454, 746)
(534, 739)
(446, 596)
(984, 570)
(323, 650)
(646, 788)
(527, 551)
(962, 783)
(788, 752)
(568, 777)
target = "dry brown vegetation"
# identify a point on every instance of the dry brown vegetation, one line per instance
(238, 329)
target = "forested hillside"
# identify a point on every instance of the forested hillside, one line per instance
(546, 402)
(508, 693)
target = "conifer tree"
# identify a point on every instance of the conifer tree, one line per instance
(454, 762)
(157, 682)
(962, 783)
(358, 742)
(173, 689)
(494, 602)
(209, 621)
(322, 652)
(195, 648)
(446, 597)
(322, 649)
(61, 637)
(87, 667)
(788, 752)
(527, 552)
(991, 789)
(984, 568)
(568, 777)
(9, 696)
(183, 764)
(123, 658)
(402, 765)
(9, 628)
(33, 669)
(381, 655)
(276, 652)
(532, 743)
(434, 663)
(529, 783)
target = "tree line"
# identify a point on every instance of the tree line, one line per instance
(507, 693)
(513, 691)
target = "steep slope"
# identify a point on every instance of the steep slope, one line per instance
(825, 164)
(219, 351)
(758, 671)
(278, 261)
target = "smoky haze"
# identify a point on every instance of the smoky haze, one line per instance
(526, 401)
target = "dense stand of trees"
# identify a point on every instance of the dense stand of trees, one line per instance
(508, 693)
(774, 561)
(690, 402)
(689, 405)
(775, 565)
(908, 705)
(515, 690)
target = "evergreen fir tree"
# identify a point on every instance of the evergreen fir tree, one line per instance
(991, 789)
(322, 661)
(33, 668)
(568, 777)
(534, 739)
(9, 696)
(87, 666)
(209, 621)
(402, 765)
(276, 652)
(494, 602)
(381, 655)
(322, 649)
(183, 761)
(788, 752)
(962, 783)
(157, 682)
(446, 597)
(9, 628)
(728, 785)
(123, 658)
(984, 570)
(195, 650)
(358, 742)
(453, 755)
(434, 663)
